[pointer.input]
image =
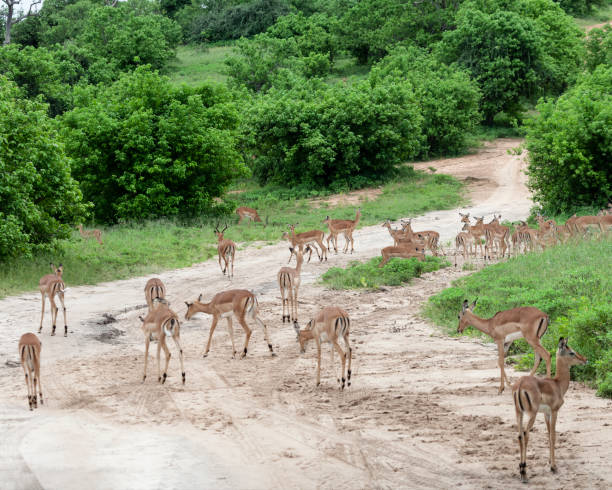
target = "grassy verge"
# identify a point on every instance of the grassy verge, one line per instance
(599, 15)
(195, 64)
(571, 283)
(367, 275)
(131, 250)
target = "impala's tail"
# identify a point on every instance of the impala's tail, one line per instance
(170, 327)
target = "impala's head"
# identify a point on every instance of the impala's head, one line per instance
(568, 355)
(219, 234)
(58, 271)
(191, 310)
(406, 223)
(463, 322)
(326, 220)
(303, 336)
(465, 218)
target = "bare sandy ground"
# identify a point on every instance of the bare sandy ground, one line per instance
(423, 410)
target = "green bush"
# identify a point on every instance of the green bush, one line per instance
(570, 143)
(319, 135)
(396, 272)
(39, 200)
(145, 149)
(599, 47)
(447, 97)
(568, 282)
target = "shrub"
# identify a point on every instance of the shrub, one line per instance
(599, 47)
(145, 149)
(570, 146)
(39, 200)
(318, 135)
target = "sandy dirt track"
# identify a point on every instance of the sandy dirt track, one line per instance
(423, 411)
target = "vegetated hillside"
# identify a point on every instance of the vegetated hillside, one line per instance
(571, 283)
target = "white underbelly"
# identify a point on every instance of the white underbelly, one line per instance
(512, 337)
(227, 314)
(543, 408)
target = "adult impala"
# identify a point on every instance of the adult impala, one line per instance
(226, 250)
(154, 289)
(97, 234)
(330, 324)
(289, 283)
(507, 326)
(345, 227)
(532, 395)
(247, 213)
(29, 355)
(305, 239)
(159, 324)
(51, 286)
(235, 302)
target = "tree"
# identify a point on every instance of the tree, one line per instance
(599, 47)
(570, 145)
(39, 199)
(11, 20)
(143, 148)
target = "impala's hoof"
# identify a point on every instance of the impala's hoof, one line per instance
(553, 469)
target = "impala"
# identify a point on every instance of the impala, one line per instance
(97, 234)
(247, 213)
(29, 354)
(431, 238)
(52, 285)
(496, 236)
(464, 239)
(507, 326)
(305, 239)
(477, 230)
(396, 234)
(159, 324)
(405, 250)
(289, 284)
(532, 395)
(330, 324)
(154, 289)
(226, 250)
(344, 227)
(235, 302)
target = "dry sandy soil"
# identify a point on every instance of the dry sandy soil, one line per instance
(423, 410)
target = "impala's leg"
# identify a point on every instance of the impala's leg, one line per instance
(37, 374)
(318, 341)
(146, 359)
(247, 331)
(240, 220)
(349, 352)
(295, 302)
(266, 334)
(42, 314)
(53, 313)
(384, 261)
(34, 379)
(552, 435)
(500, 362)
(61, 298)
(284, 299)
(159, 346)
(342, 360)
(233, 253)
(540, 353)
(230, 329)
(168, 355)
(177, 341)
(27, 378)
(212, 330)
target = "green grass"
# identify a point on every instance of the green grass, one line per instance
(132, 250)
(602, 14)
(348, 68)
(195, 65)
(571, 283)
(367, 275)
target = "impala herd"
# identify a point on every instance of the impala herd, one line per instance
(530, 394)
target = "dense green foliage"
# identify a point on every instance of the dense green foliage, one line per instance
(567, 282)
(320, 135)
(358, 275)
(599, 47)
(447, 97)
(570, 146)
(222, 19)
(39, 200)
(143, 148)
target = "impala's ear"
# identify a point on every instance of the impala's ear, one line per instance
(200, 298)
(296, 327)
(473, 304)
(466, 303)
(562, 342)
(291, 249)
(141, 319)
(188, 304)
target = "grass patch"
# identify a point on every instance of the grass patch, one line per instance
(599, 15)
(367, 275)
(197, 64)
(571, 283)
(138, 249)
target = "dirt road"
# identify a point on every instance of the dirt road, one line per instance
(423, 410)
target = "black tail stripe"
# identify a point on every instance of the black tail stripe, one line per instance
(528, 400)
(520, 402)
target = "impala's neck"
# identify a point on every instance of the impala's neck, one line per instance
(562, 377)
(482, 324)
(202, 307)
(299, 259)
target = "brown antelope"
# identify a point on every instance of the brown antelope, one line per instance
(329, 325)
(532, 395)
(159, 324)
(464, 239)
(97, 234)
(305, 239)
(247, 213)
(507, 326)
(344, 227)
(405, 250)
(29, 354)
(154, 289)
(396, 234)
(606, 211)
(238, 302)
(497, 237)
(289, 283)
(432, 238)
(226, 250)
(52, 285)
(477, 230)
